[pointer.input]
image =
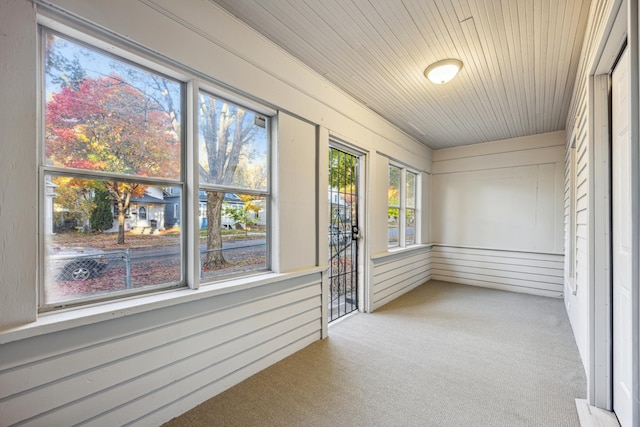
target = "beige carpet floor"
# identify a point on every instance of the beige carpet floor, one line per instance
(441, 355)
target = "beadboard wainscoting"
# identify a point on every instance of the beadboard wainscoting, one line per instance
(399, 272)
(146, 368)
(516, 271)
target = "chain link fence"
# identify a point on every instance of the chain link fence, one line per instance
(65, 268)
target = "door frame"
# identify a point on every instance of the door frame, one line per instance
(326, 139)
(621, 28)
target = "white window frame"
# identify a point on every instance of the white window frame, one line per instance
(268, 115)
(402, 208)
(398, 206)
(193, 82)
(107, 49)
(414, 208)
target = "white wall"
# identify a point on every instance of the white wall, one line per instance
(18, 201)
(295, 208)
(579, 130)
(589, 300)
(115, 363)
(496, 201)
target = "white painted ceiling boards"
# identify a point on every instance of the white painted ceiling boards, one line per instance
(520, 59)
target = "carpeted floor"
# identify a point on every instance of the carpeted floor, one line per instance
(441, 355)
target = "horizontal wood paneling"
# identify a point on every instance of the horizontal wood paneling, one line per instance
(536, 156)
(526, 272)
(398, 273)
(130, 369)
(525, 143)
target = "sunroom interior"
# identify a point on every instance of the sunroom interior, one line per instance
(506, 179)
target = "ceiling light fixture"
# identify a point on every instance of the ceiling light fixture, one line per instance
(443, 71)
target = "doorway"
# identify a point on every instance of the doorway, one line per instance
(621, 216)
(344, 231)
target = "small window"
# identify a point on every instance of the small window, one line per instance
(410, 208)
(142, 213)
(393, 208)
(234, 188)
(402, 207)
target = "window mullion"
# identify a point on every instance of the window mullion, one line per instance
(227, 189)
(403, 208)
(191, 208)
(418, 210)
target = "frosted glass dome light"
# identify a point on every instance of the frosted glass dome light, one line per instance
(443, 71)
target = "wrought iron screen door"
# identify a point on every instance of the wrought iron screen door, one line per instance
(343, 232)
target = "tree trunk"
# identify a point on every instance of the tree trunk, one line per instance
(120, 223)
(214, 259)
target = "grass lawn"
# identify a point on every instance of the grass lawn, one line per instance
(74, 239)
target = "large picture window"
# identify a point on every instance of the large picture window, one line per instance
(402, 207)
(112, 148)
(113, 179)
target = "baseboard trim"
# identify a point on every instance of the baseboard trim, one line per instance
(590, 416)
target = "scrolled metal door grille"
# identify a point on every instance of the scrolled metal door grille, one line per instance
(343, 233)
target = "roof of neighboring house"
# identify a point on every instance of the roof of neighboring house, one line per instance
(148, 199)
(228, 197)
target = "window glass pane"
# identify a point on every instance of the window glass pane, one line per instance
(410, 232)
(104, 114)
(233, 145)
(394, 186)
(411, 190)
(394, 226)
(235, 242)
(97, 244)
(343, 173)
(393, 211)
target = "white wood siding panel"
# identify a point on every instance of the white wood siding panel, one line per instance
(180, 340)
(525, 143)
(126, 369)
(415, 274)
(154, 392)
(512, 269)
(512, 276)
(578, 126)
(533, 258)
(398, 273)
(539, 156)
(527, 272)
(78, 397)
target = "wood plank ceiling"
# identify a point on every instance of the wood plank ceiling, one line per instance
(520, 59)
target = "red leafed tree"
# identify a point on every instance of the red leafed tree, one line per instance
(105, 124)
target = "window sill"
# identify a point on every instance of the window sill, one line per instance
(399, 250)
(86, 315)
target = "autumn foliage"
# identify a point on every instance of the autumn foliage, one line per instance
(106, 124)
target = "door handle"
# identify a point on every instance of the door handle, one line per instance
(354, 232)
